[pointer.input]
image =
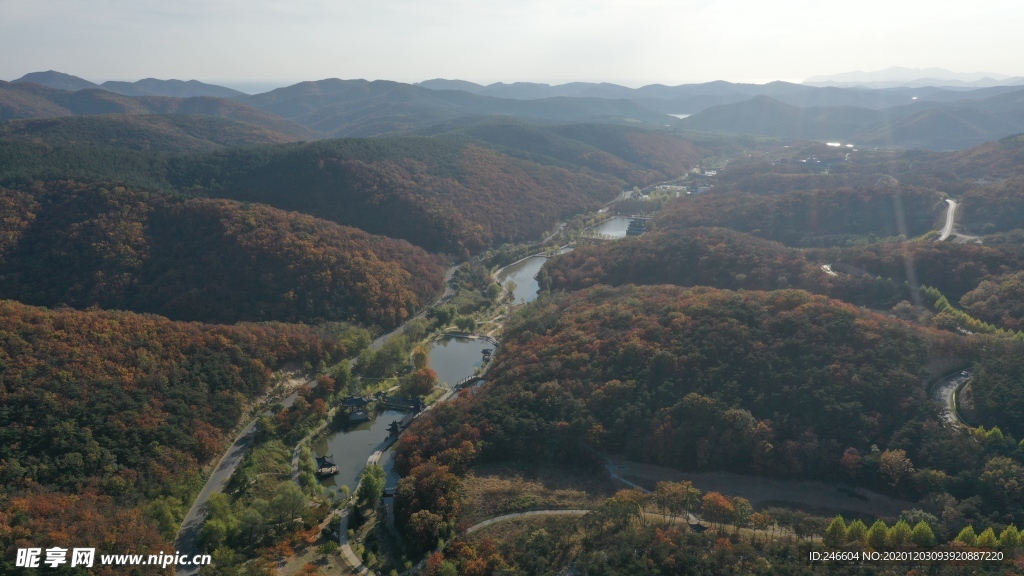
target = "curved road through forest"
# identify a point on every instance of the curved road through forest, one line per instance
(944, 394)
(950, 217)
(187, 540)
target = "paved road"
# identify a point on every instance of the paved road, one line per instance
(187, 541)
(945, 395)
(950, 216)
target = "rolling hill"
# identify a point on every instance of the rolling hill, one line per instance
(145, 87)
(81, 245)
(812, 217)
(361, 108)
(26, 100)
(633, 155)
(437, 193)
(106, 411)
(161, 133)
(932, 125)
(466, 188)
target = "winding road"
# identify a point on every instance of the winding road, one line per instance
(950, 217)
(944, 394)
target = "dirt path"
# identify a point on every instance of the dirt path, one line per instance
(514, 515)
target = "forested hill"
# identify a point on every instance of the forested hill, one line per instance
(102, 408)
(814, 217)
(436, 194)
(775, 383)
(27, 100)
(456, 192)
(874, 275)
(341, 108)
(67, 243)
(161, 133)
(633, 155)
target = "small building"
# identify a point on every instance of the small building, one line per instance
(397, 426)
(358, 416)
(325, 466)
(354, 402)
(637, 226)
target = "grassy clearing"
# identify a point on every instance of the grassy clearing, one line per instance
(496, 489)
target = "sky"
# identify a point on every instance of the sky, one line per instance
(629, 42)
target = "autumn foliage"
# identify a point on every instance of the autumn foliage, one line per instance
(115, 403)
(826, 217)
(208, 260)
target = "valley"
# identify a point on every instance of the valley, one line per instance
(353, 326)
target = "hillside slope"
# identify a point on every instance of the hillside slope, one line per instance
(104, 411)
(813, 217)
(27, 100)
(438, 194)
(342, 108)
(146, 132)
(200, 259)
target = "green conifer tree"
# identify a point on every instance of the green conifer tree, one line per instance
(835, 534)
(922, 535)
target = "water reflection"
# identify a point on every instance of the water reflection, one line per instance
(613, 227)
(350, 449)
(523, 274)
(455, 358)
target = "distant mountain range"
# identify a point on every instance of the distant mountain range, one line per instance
(932, 125)
(145, 87)
(24, 100)
(896, 77)
(926, 117)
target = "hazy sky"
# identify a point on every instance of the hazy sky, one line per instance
(632, 42)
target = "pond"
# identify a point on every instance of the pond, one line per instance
(455, 358)
(524, 273)
(614, 227)
(350, 449)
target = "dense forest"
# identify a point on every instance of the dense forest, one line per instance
(994, 208)
(145, 132)
(435, 193)
(778, 383)
(703, 378)
(67, 243)
(996, 394)
(813, 217)
(633, 155)
(25, 100)
(716, 257)
(877, 275)
(999, 301)
(119, 408)
(457, 192)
